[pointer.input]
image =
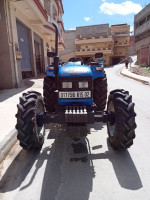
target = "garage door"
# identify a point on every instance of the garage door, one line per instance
(24, 46)
(144, 55)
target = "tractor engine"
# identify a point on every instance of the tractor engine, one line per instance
(75, 85)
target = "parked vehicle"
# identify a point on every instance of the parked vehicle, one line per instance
(76, 95)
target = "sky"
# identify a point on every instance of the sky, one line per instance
(94, 12)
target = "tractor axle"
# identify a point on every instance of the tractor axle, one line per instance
(75, 115)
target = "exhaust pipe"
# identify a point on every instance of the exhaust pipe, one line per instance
(56, 57)
(56, 39)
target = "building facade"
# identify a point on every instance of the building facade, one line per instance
(70, 47)
(131, 50)
(25, 37)
(85, 41)
(121, 38)
(142, 36)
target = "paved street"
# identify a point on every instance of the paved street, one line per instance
(9, 99)
(65, 169)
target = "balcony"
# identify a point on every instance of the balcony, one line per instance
(121, 44)
(94, 40)
(60, 22)
(50, 30)
(120, 33)
(119, 54)
(143, 28)
(61, 46)
(81, 52)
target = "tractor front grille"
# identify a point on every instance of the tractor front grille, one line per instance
(76, 114)
(75, 81)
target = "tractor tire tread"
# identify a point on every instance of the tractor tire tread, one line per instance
(124, 119)
(26, 121)
(50, 99)
(100, 92)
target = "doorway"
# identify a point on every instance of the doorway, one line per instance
(24, 48)
(38, 45)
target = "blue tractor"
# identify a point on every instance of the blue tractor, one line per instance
(76, 95)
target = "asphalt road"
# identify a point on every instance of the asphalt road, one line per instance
(86, 169)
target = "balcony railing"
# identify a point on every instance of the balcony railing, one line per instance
(93, 40)
(125, 33)
(119, 54)
(121, 43)
(94, 50)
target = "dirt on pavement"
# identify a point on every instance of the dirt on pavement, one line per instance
(143, 71)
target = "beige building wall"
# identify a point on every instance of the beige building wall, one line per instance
(69, 51)
(34, 17)
(131, 49)
(86, 41)
(8, 74)
(142, 36)
(92, 39)
(121, 37)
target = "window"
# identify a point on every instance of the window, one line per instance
(148, 17)
(142, 21)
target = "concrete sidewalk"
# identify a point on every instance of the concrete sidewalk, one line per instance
(8, 108)
(9, 99)
(127, 73)
(142, 79)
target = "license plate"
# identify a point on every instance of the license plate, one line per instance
(75, 95)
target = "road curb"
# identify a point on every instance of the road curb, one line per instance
(7, 143)
(135, 78)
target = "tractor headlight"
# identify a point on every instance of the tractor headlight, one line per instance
(83, 84)
(66, 84)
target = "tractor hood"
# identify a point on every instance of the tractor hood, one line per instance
(72, 69)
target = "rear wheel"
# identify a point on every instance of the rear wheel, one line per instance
(121, 129)
(100, 92)
(30, 133)
(50, 96)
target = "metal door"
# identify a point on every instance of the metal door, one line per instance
(24, 46)
(144, 56)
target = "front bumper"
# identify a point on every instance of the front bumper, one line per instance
(75, 115)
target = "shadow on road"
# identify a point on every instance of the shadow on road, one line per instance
(7, 93)
(124, 167)
(26, 83)
(69, 169)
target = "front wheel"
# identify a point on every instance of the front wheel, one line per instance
(30, 133)
(49, 94)
(100, 92)
(121, 129)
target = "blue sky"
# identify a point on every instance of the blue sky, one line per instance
(93, 12)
